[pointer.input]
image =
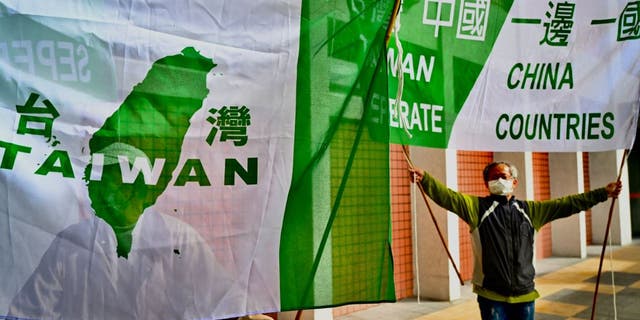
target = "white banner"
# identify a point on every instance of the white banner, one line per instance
(519, 75)
(88, 89)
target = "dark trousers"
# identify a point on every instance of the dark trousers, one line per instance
(495, 310)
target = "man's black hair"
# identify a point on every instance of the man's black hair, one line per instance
(512, 169)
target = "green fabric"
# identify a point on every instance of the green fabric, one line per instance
(336, 238)
(456, 66)
(151, 123)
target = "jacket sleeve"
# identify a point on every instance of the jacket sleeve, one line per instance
(543, 212)
(464, 206)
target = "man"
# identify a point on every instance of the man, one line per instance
(502, 231)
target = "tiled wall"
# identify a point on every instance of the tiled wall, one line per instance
(470, 166)
(542, 192)
(401, 223)
(401, 231)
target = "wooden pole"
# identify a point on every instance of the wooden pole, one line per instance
(606, 238)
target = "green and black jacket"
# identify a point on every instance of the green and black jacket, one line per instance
(502, 233)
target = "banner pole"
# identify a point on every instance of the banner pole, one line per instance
(416, 255)
(606, 237)
(392, 22)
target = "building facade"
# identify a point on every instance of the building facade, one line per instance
(422, 267)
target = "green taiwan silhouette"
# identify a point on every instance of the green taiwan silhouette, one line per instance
(151, 122)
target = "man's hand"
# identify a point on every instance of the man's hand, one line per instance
(416, 174)
(613, 189)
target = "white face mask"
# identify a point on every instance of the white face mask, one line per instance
(501, 187)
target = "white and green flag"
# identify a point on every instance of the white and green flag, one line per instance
(510, 75)
(192, 159)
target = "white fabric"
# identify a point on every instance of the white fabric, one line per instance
(606, 77)
(170, 273)
(113, 45)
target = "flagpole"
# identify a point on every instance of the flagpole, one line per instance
(606, 237)
(392, 22)
(414, 216)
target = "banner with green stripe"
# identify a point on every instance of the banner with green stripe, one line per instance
(516, 75)
(192, 159)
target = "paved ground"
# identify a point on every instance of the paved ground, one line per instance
(566, 287)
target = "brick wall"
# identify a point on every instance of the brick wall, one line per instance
(401, 223)
(542, 192)
(470, 166)
(401, 231)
